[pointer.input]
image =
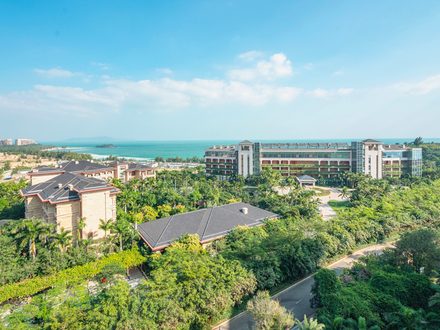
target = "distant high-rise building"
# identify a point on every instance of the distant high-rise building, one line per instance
(24, 142)
(5, 142)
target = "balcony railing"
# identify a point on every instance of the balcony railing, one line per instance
(305, 165)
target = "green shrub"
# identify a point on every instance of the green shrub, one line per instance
(125, 259)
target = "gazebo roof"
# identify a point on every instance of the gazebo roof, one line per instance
(306, 178)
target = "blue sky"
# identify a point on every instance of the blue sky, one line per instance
(166, 70)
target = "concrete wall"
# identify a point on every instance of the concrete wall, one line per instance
(94, 206)
(67, 215)
(245, 160)
(34, 207)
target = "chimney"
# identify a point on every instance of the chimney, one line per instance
(60, 185)
(70, 187)
(244, 210)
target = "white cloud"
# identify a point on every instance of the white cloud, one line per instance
(250, 56)
(423, 87)
(338, 72)
(56, 73)
(165, 70)
(324, 93)
(344, 91)
(103, 66)
(277, 67)
(162, 94)
(105, 76)
(309, 66)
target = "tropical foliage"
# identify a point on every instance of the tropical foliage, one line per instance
(384, 291)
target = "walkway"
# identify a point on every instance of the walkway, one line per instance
(296, 298)
(325, 208)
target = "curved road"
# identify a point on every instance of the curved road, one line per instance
(296, 298)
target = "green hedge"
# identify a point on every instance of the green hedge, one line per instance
(72, 275)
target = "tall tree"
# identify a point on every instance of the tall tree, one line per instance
(121, 227)
(62, 239)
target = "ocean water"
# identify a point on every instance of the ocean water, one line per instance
(148, 150)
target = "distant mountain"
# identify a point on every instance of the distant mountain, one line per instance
(91, 139)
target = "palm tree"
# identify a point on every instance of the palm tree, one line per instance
(361, 324)
(336, 324)
(120, 227)
(80, 224)
(106, 226)
(62, 239)
(345, 194)
(311, 324)
(29, 231)
(434, 300)
(47, 231)
(408, 319)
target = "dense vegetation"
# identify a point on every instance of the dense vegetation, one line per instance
(11, 202)
(388, 290)
(189, 287)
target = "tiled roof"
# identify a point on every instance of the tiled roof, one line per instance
(50, 190)
(138, 167)
(209, 224)
(305, 178)
(246, 142)
(79, 166)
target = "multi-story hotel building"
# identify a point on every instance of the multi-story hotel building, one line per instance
(314, 159)
(24, 142)
(5, 142)
(78, 189)
(67, 197)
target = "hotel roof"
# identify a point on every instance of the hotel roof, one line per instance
(79, 166)
(371, 141)
(222, 148)
(67, 187)
(209, 224)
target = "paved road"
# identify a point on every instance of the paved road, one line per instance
(296, 298)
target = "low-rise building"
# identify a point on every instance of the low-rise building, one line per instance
(314, 159)
(24, 142)
(67, 197)
(81, 167)
(209, 224)
(126, 171)
(5, 142)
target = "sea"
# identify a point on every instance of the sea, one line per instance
(148, 150)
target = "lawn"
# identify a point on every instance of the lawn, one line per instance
(339, 206)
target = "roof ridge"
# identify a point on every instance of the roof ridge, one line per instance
(206, 225)
(163, 231)
(240, 214)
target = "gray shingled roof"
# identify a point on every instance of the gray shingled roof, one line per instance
(80, 166)
(51, 192)
(209, 224)
(138, 167)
